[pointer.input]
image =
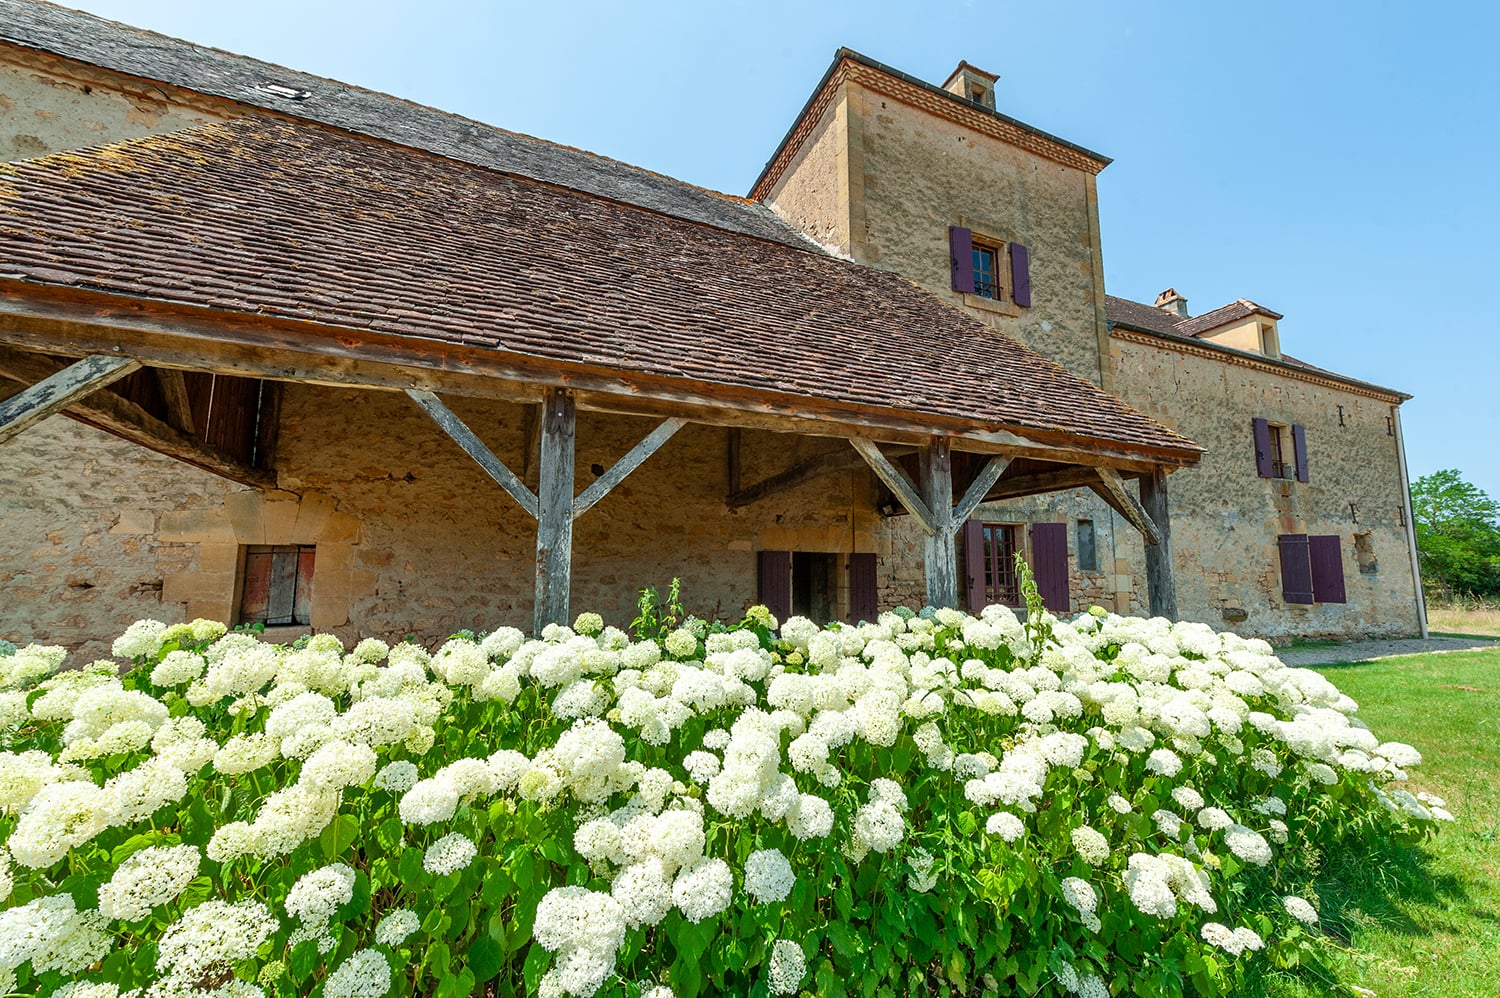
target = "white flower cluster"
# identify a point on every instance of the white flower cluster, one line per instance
(1164, 709)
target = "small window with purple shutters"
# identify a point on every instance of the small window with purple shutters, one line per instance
(987, 272)
(277, 586)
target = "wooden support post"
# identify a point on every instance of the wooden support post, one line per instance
(174, 390)
(632, 460)
(554, 528)
(732, 460)
(937, 491)
(486, 459)
(57, 391)
(1160, 583)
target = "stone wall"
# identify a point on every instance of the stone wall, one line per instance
(411, 536)
(1226, 519)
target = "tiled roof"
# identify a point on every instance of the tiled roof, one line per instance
(110, 45)
(263, 215)
(1233, 312)
(1149, 319)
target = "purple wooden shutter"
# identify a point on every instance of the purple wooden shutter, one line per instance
(1327, 557)
(1020, 275)
(973, 541)
(1263, 448)
(961, 252)
(864, 596)
(775, 582)
(1049, 551)
(1296, 569)
(1299, 445)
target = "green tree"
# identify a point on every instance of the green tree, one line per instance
(1458, 534)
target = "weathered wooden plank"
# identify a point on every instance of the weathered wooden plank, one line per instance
(456, 428)
(898, 482)
(977, 490)
(554, 527)
(813, 468)
(281, 600)
(174, 390)
(268, 424)
(732, 460)
(632, 460)
(1111, 488)
(941, 562)
(1161, 583)
(60, 389)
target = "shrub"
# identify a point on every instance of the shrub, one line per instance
(926, 803)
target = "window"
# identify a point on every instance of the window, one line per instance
(1280, 450)
(980, 266)
(1000, 541)
(813, 585)
(1279, 467)
(1088, 557)
(278, 585)
(987, 272)
(1312, 569)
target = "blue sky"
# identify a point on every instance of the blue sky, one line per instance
(1336, 162)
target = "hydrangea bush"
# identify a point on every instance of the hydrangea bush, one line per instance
(934, 802)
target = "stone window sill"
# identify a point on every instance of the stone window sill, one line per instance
(992, 305)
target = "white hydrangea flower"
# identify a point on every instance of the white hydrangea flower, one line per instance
(703, 890)
(1300, 909)
(1164, 762)
(811, 819)
(148, 879)
(396, 777)
(54, 935)
(317, 895)
(1005, 825)
(449, 854)
(786, 968)
(396, 926)
(210, 938)
(1091, 846)
(769, 876)
(1248, 845)
(338, 764)
(366, 974)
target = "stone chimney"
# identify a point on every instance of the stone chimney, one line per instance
(1172, 303)
(973, 83)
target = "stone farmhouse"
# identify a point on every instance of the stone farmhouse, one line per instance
(277, 349)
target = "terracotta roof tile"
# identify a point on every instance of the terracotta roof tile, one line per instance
(74, 34)
(304, 222)
(1233, 312)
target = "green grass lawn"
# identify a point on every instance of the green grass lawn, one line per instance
(1425, 921)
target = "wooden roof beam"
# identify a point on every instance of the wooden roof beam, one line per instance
(58, 389)
(114, 414)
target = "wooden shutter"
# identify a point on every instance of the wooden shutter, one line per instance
(1327, 557)
(1049, 552)
(774, 571)
(961, 252)
(1296, 569)
(1299, 445)
(1020, 275)
(973, 548)
(864, 594)
(1263, 465)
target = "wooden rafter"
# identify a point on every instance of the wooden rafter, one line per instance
(57, 389)
(114, 414)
